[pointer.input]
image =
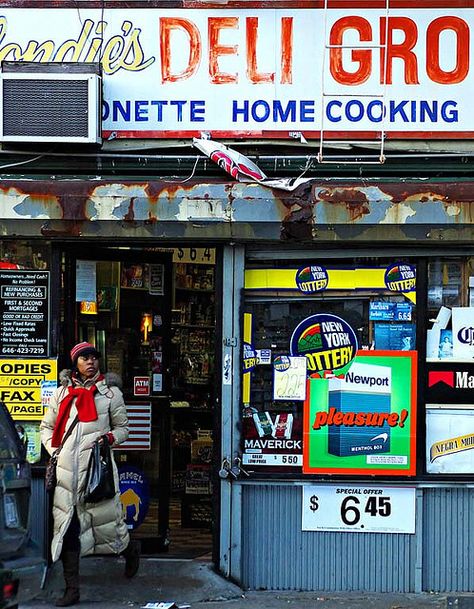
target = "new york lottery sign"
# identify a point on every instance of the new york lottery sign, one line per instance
(264, 71)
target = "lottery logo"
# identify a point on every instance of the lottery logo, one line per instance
(400, 278)
(250, 357)
(328, 342)
(312, 279)
(281, 363)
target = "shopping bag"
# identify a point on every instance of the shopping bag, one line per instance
(100, 482)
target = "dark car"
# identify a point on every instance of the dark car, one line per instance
(21, 565)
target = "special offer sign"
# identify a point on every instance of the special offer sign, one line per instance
(262, 71)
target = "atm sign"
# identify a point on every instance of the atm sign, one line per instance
(141, 385)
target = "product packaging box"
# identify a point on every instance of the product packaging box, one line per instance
(365, 391)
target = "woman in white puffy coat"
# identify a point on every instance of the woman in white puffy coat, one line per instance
(82, 528)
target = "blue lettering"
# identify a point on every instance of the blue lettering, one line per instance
(358, 105)
(450, 116)
(244, 111)
(280, 114)
(376, 103)
(179, 105)
(159, 109)
(398, 109)
(105, 110)
(198, 109)
(118, 108)
(266, 110)
(141, 114)
(432, 111)
(338, 104)
(307, 111)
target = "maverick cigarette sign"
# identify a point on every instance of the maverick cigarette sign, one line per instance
(259, 70)
(363, 422)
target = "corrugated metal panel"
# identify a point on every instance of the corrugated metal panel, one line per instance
(278, 555)
(448, 530)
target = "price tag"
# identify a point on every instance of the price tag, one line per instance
(289, 378)
(197, 255)
(359, 509)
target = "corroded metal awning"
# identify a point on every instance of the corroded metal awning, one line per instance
(317, 210)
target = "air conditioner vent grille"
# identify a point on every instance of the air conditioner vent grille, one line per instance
(27, 102)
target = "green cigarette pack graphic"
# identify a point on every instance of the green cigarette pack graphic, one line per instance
(364, 393)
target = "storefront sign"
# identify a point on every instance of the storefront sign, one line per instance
(354, 279)
(358, 509)
(364, 422)
(450, 439)
(327, 341)
(24, 313)
(134, 495)
(272, 439)
(450, 383)
(254, 72)
(289, 378)
(21, 386)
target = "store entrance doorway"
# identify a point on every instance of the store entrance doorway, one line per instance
(152, 318)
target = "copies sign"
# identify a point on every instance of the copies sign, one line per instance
(26, 385)
(257, 71)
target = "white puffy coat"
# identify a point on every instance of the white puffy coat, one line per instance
(103, 530)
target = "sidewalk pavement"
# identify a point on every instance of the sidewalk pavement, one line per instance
(194, 583)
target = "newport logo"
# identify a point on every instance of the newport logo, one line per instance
(458, 380)
(371, 381)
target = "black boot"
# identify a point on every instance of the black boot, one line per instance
(70, 562)
(132, 558)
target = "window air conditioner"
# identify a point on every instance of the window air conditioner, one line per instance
(54, 102)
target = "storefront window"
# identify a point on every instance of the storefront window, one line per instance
(329, 369)
(450, 368)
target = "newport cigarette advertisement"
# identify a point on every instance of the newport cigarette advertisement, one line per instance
(450, 439)
(363, 422)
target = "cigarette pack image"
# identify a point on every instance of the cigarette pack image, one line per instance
(283, 425)
(366, 389)
(263, 424)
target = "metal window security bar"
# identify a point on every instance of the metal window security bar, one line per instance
(362, 159)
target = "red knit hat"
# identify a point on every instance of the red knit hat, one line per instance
(83, 349)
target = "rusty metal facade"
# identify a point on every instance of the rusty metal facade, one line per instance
(317, 211)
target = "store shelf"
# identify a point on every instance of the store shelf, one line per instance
(193, 326)
(202, 290)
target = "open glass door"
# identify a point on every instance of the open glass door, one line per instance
(152, 319)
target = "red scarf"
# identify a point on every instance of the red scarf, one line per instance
(86, 410)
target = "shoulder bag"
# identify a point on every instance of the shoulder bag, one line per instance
(50, 477)
(100, 483)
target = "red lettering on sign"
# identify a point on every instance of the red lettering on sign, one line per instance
(216, 24)
(403, 50)
(433, 69)
(252, 70)
(287, 50)
(167, 25)
(361, 56)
